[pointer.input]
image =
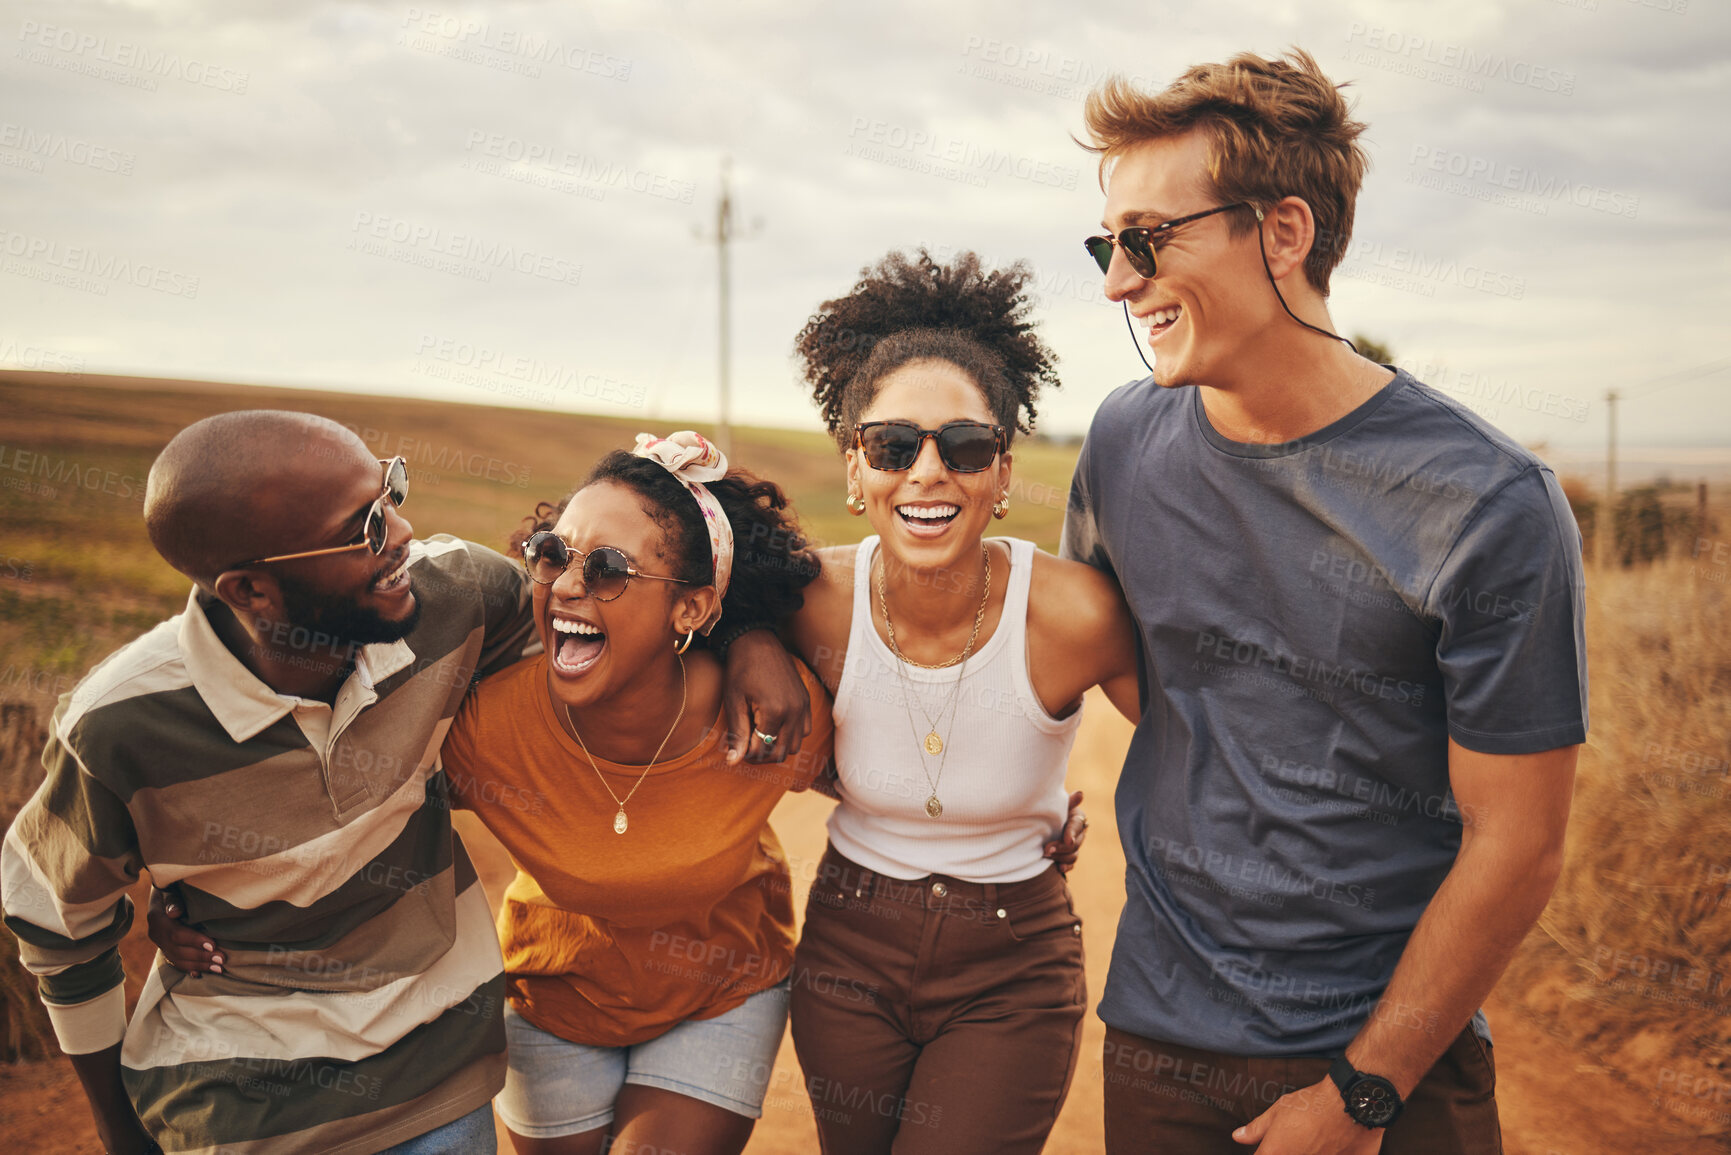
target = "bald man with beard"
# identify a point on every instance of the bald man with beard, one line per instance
(273, 753)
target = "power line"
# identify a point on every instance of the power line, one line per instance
(1682, 376)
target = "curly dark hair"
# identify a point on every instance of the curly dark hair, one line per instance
(916, 309)
(772, 560)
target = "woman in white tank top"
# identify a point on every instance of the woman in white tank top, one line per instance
(938, 986)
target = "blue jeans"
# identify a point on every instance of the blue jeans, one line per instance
(473, 1134)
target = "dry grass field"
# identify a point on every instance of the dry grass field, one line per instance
(1613, 1027)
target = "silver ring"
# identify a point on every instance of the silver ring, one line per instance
(766, 739)
(1084, 819)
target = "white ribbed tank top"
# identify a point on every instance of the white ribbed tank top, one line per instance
(1002, 785)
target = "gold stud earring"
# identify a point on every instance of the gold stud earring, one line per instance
(1001, 508)
(855, 504)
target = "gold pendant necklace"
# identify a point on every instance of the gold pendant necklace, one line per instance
(620, 822)
(934, 745)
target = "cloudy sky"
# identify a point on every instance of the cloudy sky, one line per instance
(504, 203)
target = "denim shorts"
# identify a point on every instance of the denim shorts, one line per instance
(473, 1134)
(554, 1087)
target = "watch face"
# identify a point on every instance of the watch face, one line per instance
(1373, 1101)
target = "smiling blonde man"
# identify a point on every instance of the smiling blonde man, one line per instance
(1360, 616)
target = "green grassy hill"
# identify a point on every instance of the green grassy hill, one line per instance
(78, 576)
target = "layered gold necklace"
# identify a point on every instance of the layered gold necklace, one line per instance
(933, 744)
(620, 822)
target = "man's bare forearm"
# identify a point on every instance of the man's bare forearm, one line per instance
(1491, 898)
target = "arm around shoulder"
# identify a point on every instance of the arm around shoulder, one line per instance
(818, 630)
(1081, 634)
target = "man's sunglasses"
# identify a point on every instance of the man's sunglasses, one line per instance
(607, 570)
(963, 446)
(1140, 242)
(373, 534)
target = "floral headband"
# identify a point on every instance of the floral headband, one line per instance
(693, 460)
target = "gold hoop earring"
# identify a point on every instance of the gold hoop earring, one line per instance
(686, 644)
(1001, 508)
(855, 504)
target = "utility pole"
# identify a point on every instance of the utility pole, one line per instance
(1605, 550)
(1604, 543)
(725, 232)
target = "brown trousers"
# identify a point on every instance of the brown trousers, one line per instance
(1165, 1099)
(936, 1015)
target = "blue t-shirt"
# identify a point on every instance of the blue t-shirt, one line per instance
(1317, 618)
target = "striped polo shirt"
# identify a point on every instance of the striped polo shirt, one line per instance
(363, 990)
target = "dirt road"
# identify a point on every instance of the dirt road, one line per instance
(1553, 1102)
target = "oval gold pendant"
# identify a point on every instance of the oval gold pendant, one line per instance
(934, 807)
(934, 745)
(619, 822)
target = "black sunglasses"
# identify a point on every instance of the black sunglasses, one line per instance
(963, 446)
(607, 570)
(1141, 242)
(373, 534)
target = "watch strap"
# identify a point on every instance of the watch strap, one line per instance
(718, 644)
